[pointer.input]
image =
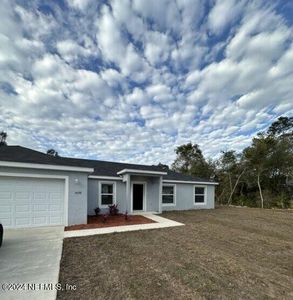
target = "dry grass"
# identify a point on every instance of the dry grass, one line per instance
(227, 253)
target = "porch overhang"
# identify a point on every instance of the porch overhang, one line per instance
(141, 172)
(147, 178)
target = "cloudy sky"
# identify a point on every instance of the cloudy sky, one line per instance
(130, 80)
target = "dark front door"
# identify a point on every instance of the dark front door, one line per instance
(137, 196)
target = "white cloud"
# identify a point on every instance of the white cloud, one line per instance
(137, 97)
(114, 47)
(71, 51)
(123, 13)
(223, 13)
(112, 77)
(165, 16)
(79, 4)
(284, 65)
(47, 66)
(130, 80)
(159, 93)
(109, 37)
(34, 23)
(132, 62)
(157, 47)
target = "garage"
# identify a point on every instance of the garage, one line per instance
(29, 202)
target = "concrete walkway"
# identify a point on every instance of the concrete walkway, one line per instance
(30, 256)
(161, 223)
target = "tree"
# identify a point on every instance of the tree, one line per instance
(261, 173)
(232, 169)
(228, 163)
(258, 157)
(270, 160)
(3, 137)
(52, 152)
(281, 164)
(191, 161)
(283, 125)
(163, 166)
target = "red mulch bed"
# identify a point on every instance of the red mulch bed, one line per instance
(118, 220)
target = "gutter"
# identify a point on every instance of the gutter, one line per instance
(45, 167)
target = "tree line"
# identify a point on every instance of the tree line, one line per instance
(259, 176)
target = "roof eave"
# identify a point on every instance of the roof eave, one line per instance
(45, 166)
(147, 172)
(190, 181)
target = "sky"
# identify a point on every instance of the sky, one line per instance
(130, 80)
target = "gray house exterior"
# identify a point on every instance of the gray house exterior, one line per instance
(37, 189)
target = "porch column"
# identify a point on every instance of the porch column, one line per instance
(160, 193)
(128, 204)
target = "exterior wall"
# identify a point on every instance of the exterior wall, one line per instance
(184, 195)
(185, 198)
(152, 194)
(93, 195)
(77, 192)
(93, 186)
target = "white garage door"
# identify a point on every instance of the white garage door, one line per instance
(26, 202)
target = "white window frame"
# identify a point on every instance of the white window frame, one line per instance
(205, 194)
(174, 195)
(100, 193)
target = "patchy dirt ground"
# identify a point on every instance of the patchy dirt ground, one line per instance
(227, 253)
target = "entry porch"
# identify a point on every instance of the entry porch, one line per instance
(143, 190)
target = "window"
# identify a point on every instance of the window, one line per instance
(168, 194)
(199, 194)
(107, 193)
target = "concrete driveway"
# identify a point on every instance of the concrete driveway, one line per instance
(30, 256)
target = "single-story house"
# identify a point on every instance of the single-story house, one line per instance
(37, 189)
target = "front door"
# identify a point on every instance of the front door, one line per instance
(137, 196)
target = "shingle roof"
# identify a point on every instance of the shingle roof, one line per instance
(101, 168)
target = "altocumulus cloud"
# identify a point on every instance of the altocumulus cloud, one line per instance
(130, 80)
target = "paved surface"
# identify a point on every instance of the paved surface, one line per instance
(161, 223)
(30, 256)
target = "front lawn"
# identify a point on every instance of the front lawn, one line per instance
(227, 253)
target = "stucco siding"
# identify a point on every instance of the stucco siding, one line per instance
(77, 190)
(121, 196)
(185, 198)
(210, 196)
(93, 188)
(184, 195)
(77, 202)
(93, 195)
(153, 195)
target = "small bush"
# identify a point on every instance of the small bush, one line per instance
(280, 200)
(271, 200)
(97, 211)
(245, 200)
(113, 210)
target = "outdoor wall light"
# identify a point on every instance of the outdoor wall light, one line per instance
(76, 180)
